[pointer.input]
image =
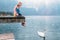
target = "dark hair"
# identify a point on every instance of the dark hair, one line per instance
(18, 5)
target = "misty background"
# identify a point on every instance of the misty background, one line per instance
(40, 7)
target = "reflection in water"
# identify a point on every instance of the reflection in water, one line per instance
(33, 24)
(7, 36)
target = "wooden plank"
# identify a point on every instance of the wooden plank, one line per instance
(11, 17)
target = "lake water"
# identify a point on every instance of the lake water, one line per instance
(33, 24)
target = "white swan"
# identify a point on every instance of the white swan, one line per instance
(42, 34)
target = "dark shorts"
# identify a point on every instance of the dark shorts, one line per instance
(19, 15)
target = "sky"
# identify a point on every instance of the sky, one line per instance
(33, 7)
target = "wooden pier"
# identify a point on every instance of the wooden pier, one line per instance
(11, 19)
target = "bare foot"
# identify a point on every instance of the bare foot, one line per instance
(23, 24)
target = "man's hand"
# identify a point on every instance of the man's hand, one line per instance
(16, 14)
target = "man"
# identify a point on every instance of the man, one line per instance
(17, 11)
